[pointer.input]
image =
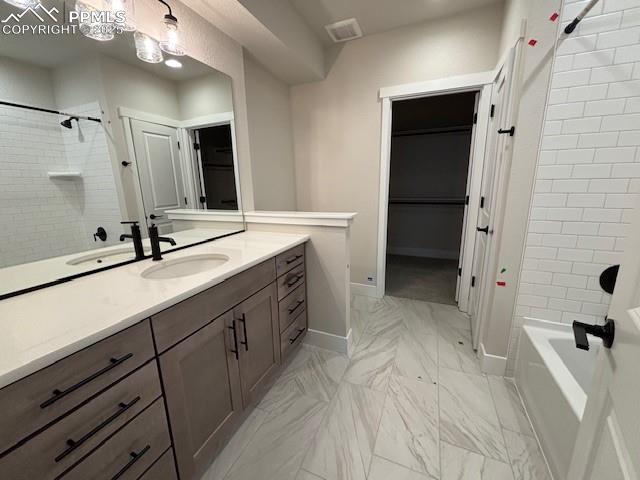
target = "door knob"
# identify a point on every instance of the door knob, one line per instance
(125, 163)
(153, 216)
(484, 230)
(606, 333)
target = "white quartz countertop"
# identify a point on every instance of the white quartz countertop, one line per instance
(44, 326)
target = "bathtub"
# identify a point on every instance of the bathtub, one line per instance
(553, 376)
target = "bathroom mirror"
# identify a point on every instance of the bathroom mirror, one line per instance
(91, 136)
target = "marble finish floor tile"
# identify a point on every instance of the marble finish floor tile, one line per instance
(386, 320)
(342, 448)
(234, 448)
(313, 372)
(408, 433)
(455, 349)
(460, 464)
(467, 414)
(382, 469)
(417, 357)
(372, 363)
(510, 410)
(278, 447)
(304, 475)
(526, 458)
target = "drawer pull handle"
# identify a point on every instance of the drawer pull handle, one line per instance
(300, 332)
(295, 280)
(74, 444)
(58, 394)
(293, 259)
(244, 326)
(235, 338)
(300, 302)
(134, 458)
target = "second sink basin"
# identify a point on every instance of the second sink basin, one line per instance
(185, 266)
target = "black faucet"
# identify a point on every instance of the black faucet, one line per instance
(155, 240)
(136, 236)
(607, 333)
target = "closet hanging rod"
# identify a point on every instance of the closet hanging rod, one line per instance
(432, 131)
(47, 110)
(435, 201)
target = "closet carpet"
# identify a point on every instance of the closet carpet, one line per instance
(426, 279)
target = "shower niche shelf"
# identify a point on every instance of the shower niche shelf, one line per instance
(69, 175)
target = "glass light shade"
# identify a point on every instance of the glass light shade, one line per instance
(23, 4)
(147, 48)
(170, 41)
(95, 30)
(129, 9)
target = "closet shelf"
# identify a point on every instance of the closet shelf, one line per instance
(68, 175)
(432, 131)
(426, 201)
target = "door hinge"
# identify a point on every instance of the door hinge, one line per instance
(511, 131)
(196, 146)
(475, 118)
(481, 202)
(473, 281)
(466, 200)
(203, 199)
(493, 111)
(459, 272)
(178, 145)
(186, 202)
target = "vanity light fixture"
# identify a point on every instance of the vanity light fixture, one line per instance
(22, 4)
(94, 30)
(147, 49)
(173, 63)
(170, 41)
(129, 9)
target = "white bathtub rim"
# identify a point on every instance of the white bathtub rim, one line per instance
(540, 332)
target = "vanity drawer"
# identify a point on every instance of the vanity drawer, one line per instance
(36, 401)
(291, 306)
(289, 259)
(51, 453)
(163, 469)
(131, 451)
(290, 281)
(178, 322)
(294, 335)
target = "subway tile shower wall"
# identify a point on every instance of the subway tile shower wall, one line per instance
(588, 174)
(41, 217)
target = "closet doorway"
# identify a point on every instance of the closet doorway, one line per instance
(431, 151)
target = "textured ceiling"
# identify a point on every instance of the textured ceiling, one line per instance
(376, 16)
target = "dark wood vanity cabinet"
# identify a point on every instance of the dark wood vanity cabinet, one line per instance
(159, 400)
(202, 386)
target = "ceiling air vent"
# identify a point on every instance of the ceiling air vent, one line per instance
(344, 30)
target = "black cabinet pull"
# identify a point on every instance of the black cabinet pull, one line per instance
(511, 131)
(300, 302)
(58, 394)
(293, 259)
(74, 444)
(235, 338)
(134, 458)
(246, 339)
(300, 332)
(297, 278)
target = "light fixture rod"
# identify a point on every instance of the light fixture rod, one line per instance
(170, 12)
(47, 110)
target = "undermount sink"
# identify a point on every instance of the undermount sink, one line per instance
(116, 255)
(185, 266)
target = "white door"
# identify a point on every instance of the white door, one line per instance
(608, 444)
(490, 181)
(465, 221)
(159, 168)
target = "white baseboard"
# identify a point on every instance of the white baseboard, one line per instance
(364, 290)
(492, 364)
(329, 341)
(423, 252)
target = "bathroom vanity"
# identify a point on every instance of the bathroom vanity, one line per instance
(160, 395)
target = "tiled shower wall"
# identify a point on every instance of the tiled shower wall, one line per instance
(588, 173)
(43, 217)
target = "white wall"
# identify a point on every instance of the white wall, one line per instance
(204, 95)
(271, 136)
(588, 171)
(336, 122)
